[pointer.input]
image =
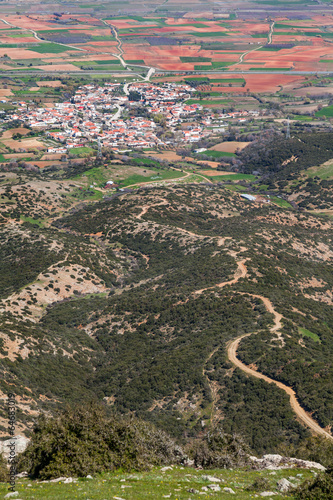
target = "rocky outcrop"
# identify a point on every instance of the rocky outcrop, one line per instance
(21, 442)
(275, 462)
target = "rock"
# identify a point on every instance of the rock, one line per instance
(273, 473)
(21, 474)
(57, 480)
(89, 477)
(69, 480)
(21, 442)
(275, 462)
(204, 488)
(229, 490)
(214, 487)
(267, 493)
(164, 469)
(13, 494)
(188, 462)
(284, 485)
(212, 479)
(193, 490)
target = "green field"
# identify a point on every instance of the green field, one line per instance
(303, 118)
(108, 61)
(235, 177)
(156, 485)
(227, 80)
(216, 154)
(269, 69)
(134, 61)
(155, 176)
(102, 38)
(39, 222)
(323, 171)
(209, 34)
(280, 202)
(306, 333)
(188, 59)
(49, 48)
(81, 151)
(204, 102)
(326, 111)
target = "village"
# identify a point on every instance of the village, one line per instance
(131, 115)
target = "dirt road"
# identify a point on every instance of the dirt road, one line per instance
(300, 412)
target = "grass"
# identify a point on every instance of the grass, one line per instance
(209, 34)
(269, 69)
(39, 222)
(204, 102)
(226, 80)
(50, 48)
(306, 333)
(81, 151)
(156, 485)
(235, 177)
(326, 111)
(280, 202)
(303, 118)
(216, 154)
(134, 61)
(324, 171)
(189, 59)
(155, 176)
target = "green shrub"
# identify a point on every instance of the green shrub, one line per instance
(220, 450)
(320, 488)
(84, 441)
(260, 484)
(3, 470)
(314, 448)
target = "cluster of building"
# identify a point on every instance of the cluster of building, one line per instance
(95, 113)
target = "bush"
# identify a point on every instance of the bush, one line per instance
(84, 441)
(3, 470)
(220, 450)
(260, 484)
(314, 448)
(320, 488)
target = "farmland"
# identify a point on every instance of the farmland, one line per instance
(69, 42)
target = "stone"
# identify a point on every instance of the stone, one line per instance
(204, 488)
(211, 479)
(267, 493)
(284, 485)
(214, 487)
(229, 490)
(276, 462)
(164, 469)
(13, 494)
(21, 474)
(89, 477)
(21, 442)
(193, 490)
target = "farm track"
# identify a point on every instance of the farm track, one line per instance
(232, 347)
(40, 39)
(303, 416)
(270, 34)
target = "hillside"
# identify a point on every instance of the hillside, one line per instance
(133, 300)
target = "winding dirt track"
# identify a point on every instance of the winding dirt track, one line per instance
(232, 347)
(300, 412)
